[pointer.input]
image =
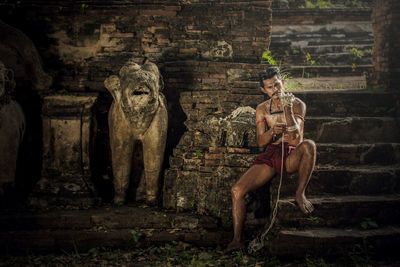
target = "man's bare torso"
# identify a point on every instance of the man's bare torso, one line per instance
(272, 116)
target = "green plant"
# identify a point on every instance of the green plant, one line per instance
(267, 58)
(356, 56)
(296, 86)
(319, 4)
(287, 53)
(360, 254)
(314, 220)
(215, 212)
(370, 51)
(313, 262)
(136, 235)
(310, 61)
(368, 223)
(199, 153)
(192, 204)
(84, 7)
(356, 53)
(295, 52)
(330, 149)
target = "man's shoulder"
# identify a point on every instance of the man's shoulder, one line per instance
(299, 107)
(299, 102)
(262, 105)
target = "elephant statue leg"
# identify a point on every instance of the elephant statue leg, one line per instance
(153, 153)
(121, 142)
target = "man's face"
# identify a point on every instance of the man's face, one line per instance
(273, 87)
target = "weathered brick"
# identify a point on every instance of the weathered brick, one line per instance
(214, 156)
(158, 12)
(212, 162)
(238, 150)
(217, 149)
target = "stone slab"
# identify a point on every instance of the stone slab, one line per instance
(327, 241)
(104, 217)
(341, 211)
(356, 154)
(352, 130)
(346, 180)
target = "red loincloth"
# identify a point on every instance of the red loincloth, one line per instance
(272, 156)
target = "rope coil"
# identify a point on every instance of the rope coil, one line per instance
(259, 242)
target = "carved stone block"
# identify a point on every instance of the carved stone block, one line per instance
(68, 126)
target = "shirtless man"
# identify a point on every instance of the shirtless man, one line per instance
(281, 114)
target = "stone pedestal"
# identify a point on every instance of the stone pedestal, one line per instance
(68, 127)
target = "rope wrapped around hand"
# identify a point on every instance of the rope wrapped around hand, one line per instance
(287, 99)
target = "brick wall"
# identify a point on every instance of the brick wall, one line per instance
(81, 42)
(204, 50)
(386, 26)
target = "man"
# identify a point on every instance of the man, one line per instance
(281, 115)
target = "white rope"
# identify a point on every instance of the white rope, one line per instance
(258, 243)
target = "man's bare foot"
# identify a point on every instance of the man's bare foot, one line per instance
(234, 246)
(304, 204)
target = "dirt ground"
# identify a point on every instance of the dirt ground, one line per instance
(182, 254)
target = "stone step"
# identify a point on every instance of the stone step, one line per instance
(345, 180)
(333, 59)
(335, 29)
(342, 211)
(107, 226)
(296, 16)
(337, 48)
(295, 85)
(356, 154)
(307, 71)
(328, 241)
(350, 103)
(108, 217)
(301, 36)
(331, 5)
(74, 241)
(325, 84)
(352, 130)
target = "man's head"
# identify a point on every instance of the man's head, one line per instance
(271, 82)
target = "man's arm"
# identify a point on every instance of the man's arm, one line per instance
(264, 136)
(295, 121)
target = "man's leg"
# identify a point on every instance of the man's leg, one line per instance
(302, 160)
(253, 178)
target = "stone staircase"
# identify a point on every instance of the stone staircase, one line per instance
(324, 44)
(356, 184)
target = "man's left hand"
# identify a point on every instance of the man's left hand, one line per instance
(287, 99)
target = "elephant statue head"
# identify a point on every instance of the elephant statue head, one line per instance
(136, 90)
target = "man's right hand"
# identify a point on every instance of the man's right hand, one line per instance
(278, 128)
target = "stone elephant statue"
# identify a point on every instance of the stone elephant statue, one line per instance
(138, 113)
(12, 127)
(19, 53)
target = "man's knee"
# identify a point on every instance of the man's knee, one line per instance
(237, 191)
(309, 146)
